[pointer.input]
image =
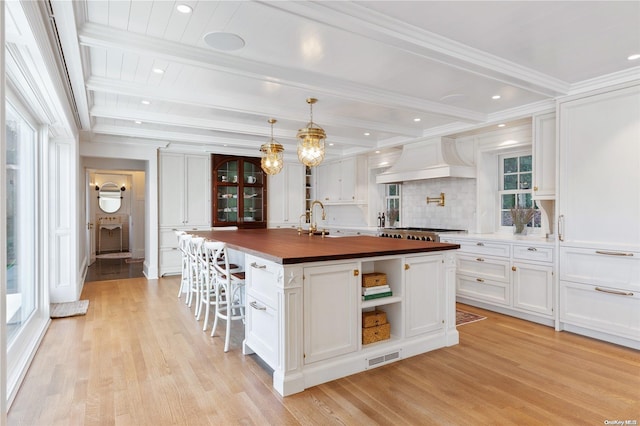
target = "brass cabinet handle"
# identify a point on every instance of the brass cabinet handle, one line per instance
(513, 268)
(619, 293)
(255, 306)
(256, 266)
(532, 249)
(407, 266)
(479, 259)
(613, 253)
(480, 280)
(561, 227)
(535, 188)
(356, 272)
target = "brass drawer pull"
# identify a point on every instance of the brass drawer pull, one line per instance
(613, 253)
(480, 244)
(480, 280)
(255, 306)
(256, 266)
(619, 293)
(479, 259)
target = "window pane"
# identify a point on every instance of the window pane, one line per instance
(510, 182)
(507, 220)
(511, 165)
(525, 163)
(508, 201)
(21, 224)
(525, 181)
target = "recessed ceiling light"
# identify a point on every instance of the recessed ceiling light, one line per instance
(634, 57)
(501, 125)
(416, 119)
(184, 8)
(224, 41)
(145, 102)
(367, 133)
(158, 70)
(138, 122)
(331, 144)
(377, 152)
(496, 97)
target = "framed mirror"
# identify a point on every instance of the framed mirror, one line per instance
(109, 198)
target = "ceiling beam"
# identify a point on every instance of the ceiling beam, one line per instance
(95, 35)
(358, 19)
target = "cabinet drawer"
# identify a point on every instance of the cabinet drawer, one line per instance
(262, 330)
(481, 289)
(485, 248)
(262, 278)
(168, 238)
(619, 270)
(170, 261)
(533, 252)
(481, 267)
(600, 310)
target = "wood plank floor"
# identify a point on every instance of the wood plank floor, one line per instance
(139, 358)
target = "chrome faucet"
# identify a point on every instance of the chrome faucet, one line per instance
(313, 227)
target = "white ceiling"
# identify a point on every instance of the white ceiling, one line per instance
(374, 66)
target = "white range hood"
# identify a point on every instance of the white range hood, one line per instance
(430, 159)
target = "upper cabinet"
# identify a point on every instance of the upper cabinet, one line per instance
(544, 156)
(239, 192)
(343, 181)
(184, 190)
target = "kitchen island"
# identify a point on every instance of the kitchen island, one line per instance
(304, 303)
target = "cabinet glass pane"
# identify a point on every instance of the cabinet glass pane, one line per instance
(227, 203)
(252, 174)
(253, 201)
(228, 172)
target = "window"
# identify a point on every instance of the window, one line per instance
(392, 204)
(515, 188)
(21, 244)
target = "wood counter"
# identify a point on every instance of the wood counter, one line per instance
(286, 247)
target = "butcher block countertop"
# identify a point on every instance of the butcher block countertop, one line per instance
(285, 246)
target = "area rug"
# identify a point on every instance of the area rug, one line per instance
(68, 309)
(134, 260)
(119, 255)
(463, 317)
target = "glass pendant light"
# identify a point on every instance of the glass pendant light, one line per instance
(272, 157)
(311, 141)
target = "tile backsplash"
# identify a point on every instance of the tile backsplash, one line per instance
(459, 211)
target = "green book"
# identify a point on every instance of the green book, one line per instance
(377, 295)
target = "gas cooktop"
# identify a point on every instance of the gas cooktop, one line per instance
(414, 233)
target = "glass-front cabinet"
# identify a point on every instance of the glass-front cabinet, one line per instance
(239, 192)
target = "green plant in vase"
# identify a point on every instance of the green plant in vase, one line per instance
(521, 217)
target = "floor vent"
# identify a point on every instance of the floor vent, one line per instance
(382, 359)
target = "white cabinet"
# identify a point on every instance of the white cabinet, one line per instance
(331, 314)
(184, 202)
(343, 181)
(424, 287)
(511, 277)
(544, 156)
(286, 196)
(598, 208)
(261, 322)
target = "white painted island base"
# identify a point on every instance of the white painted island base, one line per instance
(304, 320)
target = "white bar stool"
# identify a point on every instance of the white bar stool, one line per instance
(183, 239)
(229, 296)
(211, 251)
(194, 252)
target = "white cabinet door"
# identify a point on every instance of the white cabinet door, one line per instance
(424, 285)
(172, 184)
(331, 316)
(197, 190)
(343, 181)
(286, 196)
(328, 182)
(599, 193)
(544, 156)
(533, 287)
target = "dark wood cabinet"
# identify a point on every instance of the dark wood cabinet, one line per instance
(239, 192)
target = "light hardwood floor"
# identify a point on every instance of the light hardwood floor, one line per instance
(139, 358)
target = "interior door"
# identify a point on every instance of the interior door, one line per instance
(89, 216)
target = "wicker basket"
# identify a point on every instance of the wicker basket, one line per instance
(376, 334)
(373, 318)
(374, 279)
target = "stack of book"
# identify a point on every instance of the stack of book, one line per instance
(376, 292)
